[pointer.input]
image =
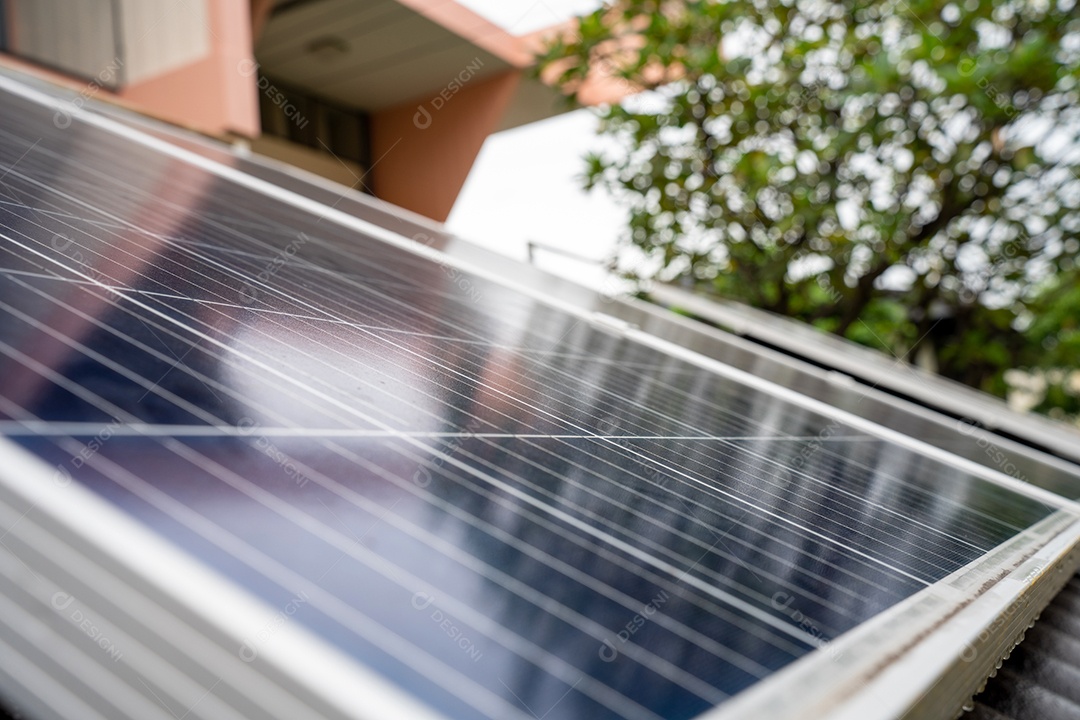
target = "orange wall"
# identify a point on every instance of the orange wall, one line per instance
(422, 151)
(217, 93)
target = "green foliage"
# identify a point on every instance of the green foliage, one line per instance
(899, 173)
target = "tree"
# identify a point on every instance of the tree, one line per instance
(899, 173)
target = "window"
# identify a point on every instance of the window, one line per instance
(308, 120)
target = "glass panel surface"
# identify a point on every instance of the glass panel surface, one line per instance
(502, 507)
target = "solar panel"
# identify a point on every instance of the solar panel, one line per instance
(489, 500)
(890, 393)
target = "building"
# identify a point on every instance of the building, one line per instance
(392, 97)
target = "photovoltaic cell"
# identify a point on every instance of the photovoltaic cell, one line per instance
(948, 426)
(503, 507)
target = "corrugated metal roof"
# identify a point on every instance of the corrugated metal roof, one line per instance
(1041, 678)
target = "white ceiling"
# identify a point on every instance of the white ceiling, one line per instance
(393, 54)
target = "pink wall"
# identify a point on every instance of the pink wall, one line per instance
(419, 163)
(420, 158)
(216, 94)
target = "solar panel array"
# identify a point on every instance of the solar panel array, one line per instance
(507, 508)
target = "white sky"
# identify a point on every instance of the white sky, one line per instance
(526, 184)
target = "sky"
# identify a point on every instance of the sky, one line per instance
(523, 16)
(526, 183)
